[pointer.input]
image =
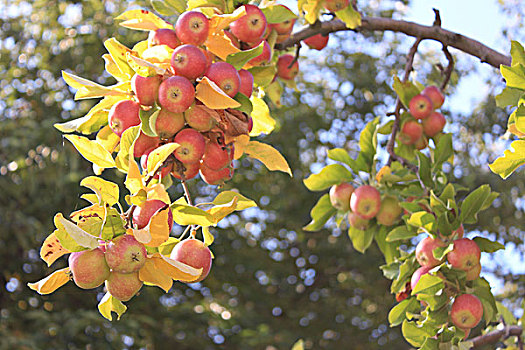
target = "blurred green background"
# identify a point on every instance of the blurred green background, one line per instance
(271, 283)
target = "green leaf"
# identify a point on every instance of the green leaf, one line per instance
(400, 233)
(177, 5)
(488, 246)
(350, 16)
(166, 247)
(106, 191)
(473, 204)
(428, 284)
(110, 304)
(443, 150)
(405, 91)
(399, 312)
(386, 129)
(263, 76)
(92, 151)
(406, 270)
(439, 253)
(391, 269)
(368, 143)
(246, 104)
(239, 59)
(514, 76)
(508, 97)
(506, 165)
(320, 213)
(227, 196)
(361, 240)
(422, 219)
(508, 317)
(277, 14)
(113, 225)
(424, 169)
(517, 53)
(483, 292)
(162, 8)
(332, 174)
(415, 335)
(434, 301)
(81, 237)
(341, 155)
(388, 249)
(448, 193)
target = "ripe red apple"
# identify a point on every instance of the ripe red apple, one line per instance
(466, 311)
(283, 28)
(474, 272)
(144, 143)
(423, 270)
(89, 268)
(125, 254)
(340, 196)
(194, 253)
(250, 27)
(264, 57)
(192, 145)
(225, 76)
(425, 252)
(434, 124)
(168, 123)
(176, 94)
(192, 28)
(123, 286)
(190, 170)
(146, 89)
(420, 106)
(163, 36)
(284, 71)
(246, 87)
(123, 115)
(317, 42)
(421, 143)
(465, 255)
(358, 222)
(189, 61)
(389, 212)
(336, 5)
(435, 95)
(143, 213)
(164, 171)
(215, 177)
(365, 201)
(411, 131)
(198, 118)
(216, 156)
(209, 57)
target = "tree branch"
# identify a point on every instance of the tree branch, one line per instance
(370, 24)
(497, 335)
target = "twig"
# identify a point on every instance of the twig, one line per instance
(497, 335)
(186, 192)
(450, 68)
(437, 20)
(296, 58)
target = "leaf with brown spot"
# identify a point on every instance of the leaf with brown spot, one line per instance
(52, 249)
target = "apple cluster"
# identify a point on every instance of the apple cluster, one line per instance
(363, 204)
(424, 121)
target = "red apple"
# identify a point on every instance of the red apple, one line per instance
(358, 222)
(194, 253)
(264, 57)
(216, 156)
(198, 118)
(411, 132)
(435, 95)
(285, 27)
(144, 143)
(89, 268)
(420, 106)
(192, 145)
(474, 272)
(189, 170)
(225, 76)
(125, 254)
(123, 115)
(146, 89)
(164, 36)
(215, 177)
(466, 311)
(336, 5)
(250, 27)
(176, 94)
(189, 61)
(284, 70)
(168, 123)
(317, 42)
(421, 143)
(425, 252)
(389, 212)
(123, 286)
(423, 270)
(465, 255)
(246, 87)
(143, 213)
(434, 124)
(233, 39)
(192, 28)
(209, 57)
(340, 196)
(365, 201)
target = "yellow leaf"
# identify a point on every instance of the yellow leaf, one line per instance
(52, 282)
(220, 211)
(150, 274)
(212, 96)
(90, 197)
(184, 214)
(159, 55)
(227, 196)
(166, 247)
(221, 46)
(157, 157)
(274, 92)
(239, 142)
(92, 151)
(142, 67)
(52, 249)
(268, 155)
(108, 139)
(88, 89)
(118, 52)
(208, 237)
(263, 123)
(111, 67)
(108, 304)
(134, 182)
(158, 191)
(156, 232)
(140, 47)
(126, 147)
(312, 8)
(106, 191)
(143, 20)
(80, 236)
(175, 269)
(220, 22)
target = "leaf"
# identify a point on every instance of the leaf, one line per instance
(263, 76)
(126, 145)
(161, 7)
(51, 249)
(142, 20)
(473, 203)
(219, 22)
(269, 156)
(277, 13)
(178, 5)
(221, 46)
(212, 96)
(422, 219)
(361, 240)
(399, 312)
(506, 165)
(239, 59)
(118, 52)
(159, 55)
(80, 236)
(487, 245)
(400, 233)
(389, 249)
(157, 157)
(263, 123)
(166, 247)
(320, 213)
(517, 53)
(246, 104)
(142, 67)
(312, 9)
(92, 151)
(508, 317)
(227, 196)
(150, 274)
(52, 282)
(443, 150)
(415, 335)
(509, 97)
(134, 181)
(514, 76)
(330, 175)
(158, 191)
(274, 92)
(368, 145)
(184, 214)
(88, 89)
(156, 232)
(424, 171)
(340, 155)
(428, 284)
(483, 292)
(109, 304)
(405, 90)
(108, 139)
(350, 16)
(219, 212)
(112, 68)
(208, 237)
(106, 191)
(175, 269)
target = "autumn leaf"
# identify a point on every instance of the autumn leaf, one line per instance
(268, 155)
(156, 232)
(52, 249)
(52, 282)
(110, 304)
(175, 269)
(151, 275)
(212, 96)
(92, 151)
(142, 20)
(221, 46)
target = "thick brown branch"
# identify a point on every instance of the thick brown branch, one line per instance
(446, 37)
(497, 335)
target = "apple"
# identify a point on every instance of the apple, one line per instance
(423, 270)
(285, 68)
(125, 254)
(365, 201)
(317, 42)
(198, 118)
(389, 212)
(176, 94)
(89, 268)
(420, 106)
(434, 124)
(281, 38)
(192, 28)
(144, 143)
(233, 39)
(336, 5)
(189, 170)
(168, 123)
(189, 61)
(209, 57)
(164, 171)
(194, 253)
(465, 255)
(250, 27)
(250, 124)
(284, 27)
(435, 95)
(340, 196)
(264, 57)
(123, 115)
(163, 36)
(425, 251)
(123, 286)
(192, 145)
(466, 311)
(216, 156)
(225, 76)
(215, 177)
(146, 89)
(411, 132)
(358, 222)
(143, 213)
(246, 87)
(421, 143)
(474, 272)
